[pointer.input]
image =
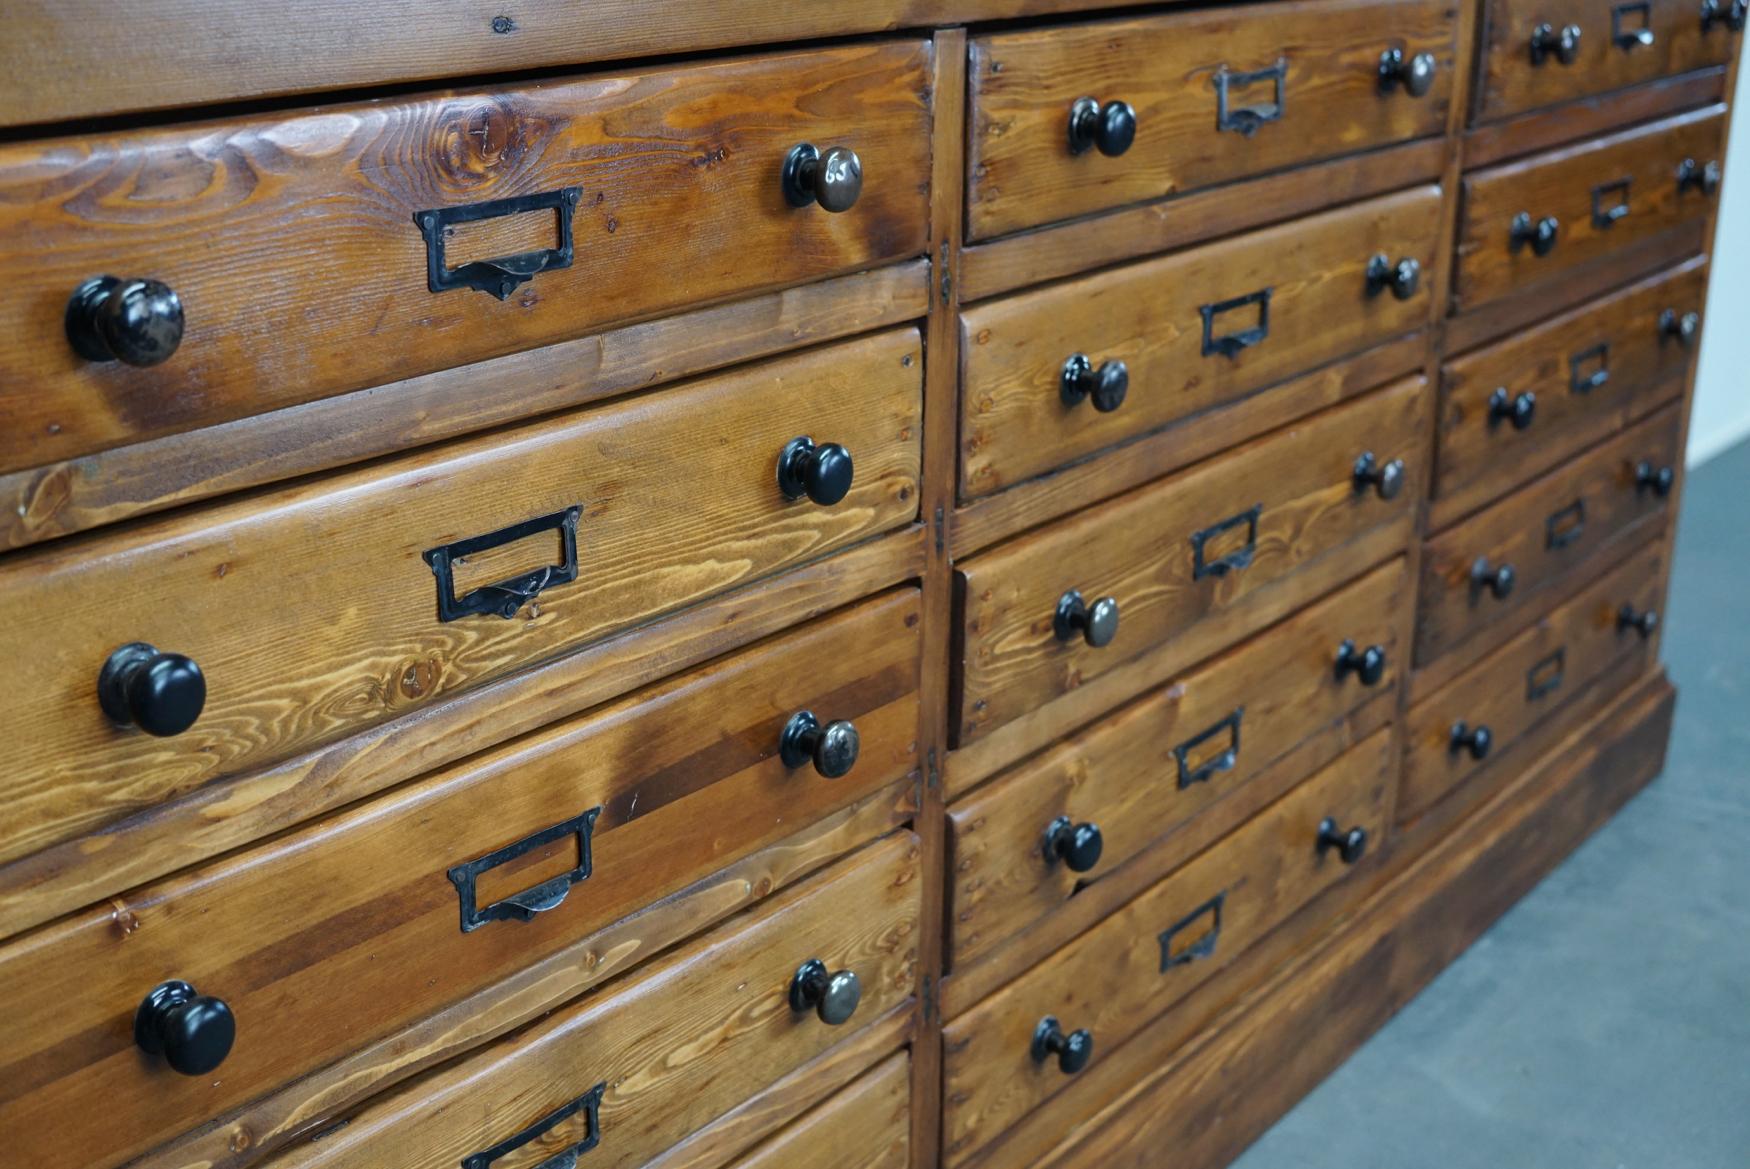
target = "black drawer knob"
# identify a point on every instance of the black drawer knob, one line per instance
(1644, 622)
(832, 995)
(192, 1031)
(1386, 479)
(1658, 480)
(1540, 234)
(1073, 1051)
(833, 178)
(822, 473)
(1109, 128)
(1415, 74)
(832, 748)
(1731, 15)
(1351, 843)
(1561, 43)
(161, 693)
(1096, 624)
(1683, 326)
(1477, 740)
(1403, 277)
(1495, 579)
(1078, 846)
(1703, 177)
(1366, 664)
(1518, 409)
(1106, 385)
(137, 322)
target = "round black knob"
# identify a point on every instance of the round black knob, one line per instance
(1106, 385)
(138, 322)
(1683, 326)
(1403, 277)
(822, 473)
(832, 995)
(1078, 846)
(1073, 1051)
(1518, 409)
(1496, 580)
(1351, 845)
(832, 179)
(1415, 74)
(1701, 177)
(160, 693)
(1645, 623)
(1541, 234)
(193, 1032)
(1477, 740)
(1658, 480)
(1366, 664)
(1097, 623)
(1110, 128)
(1732, 15)
(1562, 43)
(832, 748)
(1387, 479)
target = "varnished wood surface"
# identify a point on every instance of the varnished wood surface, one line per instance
(866, 1126)
(1547, 128)
(302, 273)
(1022, 172)
(1014, 423)
(678, 499)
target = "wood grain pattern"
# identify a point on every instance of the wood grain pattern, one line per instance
(1543, 129)
(866, 1126)
(679, 502)
(302, 273)
(1014, 421)
(1140, 550)
(1117, 977)
(1563, 185)
(1509, 83)
(1545, 531)
(1022, 173)
(1124, 774)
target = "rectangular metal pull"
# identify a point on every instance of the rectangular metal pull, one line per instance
(1200, 946)
(1224, 760)
(1221, 565)
(1609, 202)
(507, 596)
(1245, 120)
(1232, 344)
(502, 276)
(1631, 25)
(1546, 675)
(1565, 525)
(1582, 382)
(538, 899)
(589, 1104)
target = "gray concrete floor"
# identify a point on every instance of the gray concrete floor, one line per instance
(1604, 1022)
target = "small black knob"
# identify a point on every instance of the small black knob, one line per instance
(1078, 846)
(832, 748)
(832, 179)
(193, 1032)
(1698, 176)
(1658, 480)
(1073, 1051)
(160, 693)
(1106, 385)
(1097, 623)
(1645, 623)
(1496, 580)
(1387, 479)
(138, 322)
(1732, 15)
(1477, 740)
(1403, 277)
(1519, 409)
(1366, 664)
(1110, 128)
(1563, 43)
(1351, 845)
(1683, 326)
(1540, 234)
(832, 995)
(822, 473)
(1415, 74)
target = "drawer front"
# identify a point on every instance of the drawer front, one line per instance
(1178, 551)
(423, 897)
(1481, 572)
(1601, 197)
(1028, 842)
(1532, 58)
(297, 245)
(705, 1030)
(864, 1126)
(1137, 963)
(1185, 333)
(1520, 407)
(1463, 727)
(1211, 96)
(315, 610)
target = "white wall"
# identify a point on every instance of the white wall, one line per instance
(1722, 383)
